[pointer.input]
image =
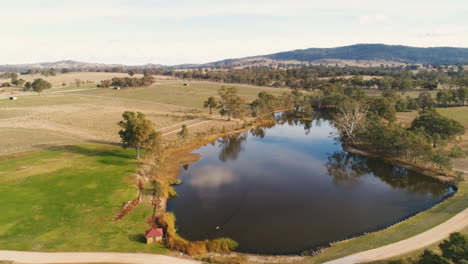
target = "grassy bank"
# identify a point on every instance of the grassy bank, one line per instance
(64, 200)
(411, 227)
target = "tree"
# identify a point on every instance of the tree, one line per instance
(183, 133)
(39, 85)
(28, 86)
(443, 97)
(462, 94)
(413, 103)
(138, 132)
(49, 72)
(425, 100)
(131, 73)
(20, 82)
(211, 103)
(77, 82)
(406, 85)
(429, 257)
(348, 120)
(106, 83)
(231, 103)
(383, 107)
(436, 126)
(455, 248)
(13, 76)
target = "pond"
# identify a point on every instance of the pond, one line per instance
(290, 187)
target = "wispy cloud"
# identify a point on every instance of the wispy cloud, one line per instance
(371, 19)
(189, 31)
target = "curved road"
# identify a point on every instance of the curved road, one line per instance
(424, 239)
(90, 257)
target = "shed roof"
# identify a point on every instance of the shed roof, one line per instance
(154, 232)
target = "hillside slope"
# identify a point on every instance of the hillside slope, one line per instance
(369, 52)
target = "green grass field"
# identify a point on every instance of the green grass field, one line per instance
(64, 200)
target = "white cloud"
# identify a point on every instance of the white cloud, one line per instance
(186, 31)
(372, 19)
(211, 177)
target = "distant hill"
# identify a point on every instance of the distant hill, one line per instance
(71, 65)
(359, 54)
(365, 52)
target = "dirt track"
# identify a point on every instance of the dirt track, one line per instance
(90, 257)
(427, 238)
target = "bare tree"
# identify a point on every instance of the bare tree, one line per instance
(348, 120)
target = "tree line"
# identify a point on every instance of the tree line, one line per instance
(315, 77)
(454, 250)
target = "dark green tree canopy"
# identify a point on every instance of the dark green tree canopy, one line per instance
(39, 85)
(138, 132)
(437, 126)
(455, 248)
(210, 103)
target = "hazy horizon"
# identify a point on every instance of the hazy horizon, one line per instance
(161, 32)
(253, 55)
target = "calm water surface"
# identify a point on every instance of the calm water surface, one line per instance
(291, 187)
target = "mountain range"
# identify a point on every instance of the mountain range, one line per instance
(359, 54)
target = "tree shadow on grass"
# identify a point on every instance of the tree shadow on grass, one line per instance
(140, 238)
(98, 152)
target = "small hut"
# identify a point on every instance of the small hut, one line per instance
(154, 235)
(186, 84)
(13, 98)
(116, 88)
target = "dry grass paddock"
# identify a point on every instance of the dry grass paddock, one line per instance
(69, 78)
(41, 121)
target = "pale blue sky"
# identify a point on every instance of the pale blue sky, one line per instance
(183, 31)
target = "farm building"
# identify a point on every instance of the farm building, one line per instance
(154, 235)
(116, 88)
(186, 84)
(13, 98)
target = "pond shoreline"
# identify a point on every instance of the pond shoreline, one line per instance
(395, 161)
(178, 156)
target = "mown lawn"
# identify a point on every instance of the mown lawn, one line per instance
(64, 200)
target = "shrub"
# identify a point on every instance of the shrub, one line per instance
(460, 176)
(455, 248)
(429, 257)
(221, 245)
(175, 242)
(456, 152)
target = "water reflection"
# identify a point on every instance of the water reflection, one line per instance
(289, 187)
(231, 146)
(347, 168)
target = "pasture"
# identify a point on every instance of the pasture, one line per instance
(68, 117)
(53, 200)
(62, 177)
(69, 78)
